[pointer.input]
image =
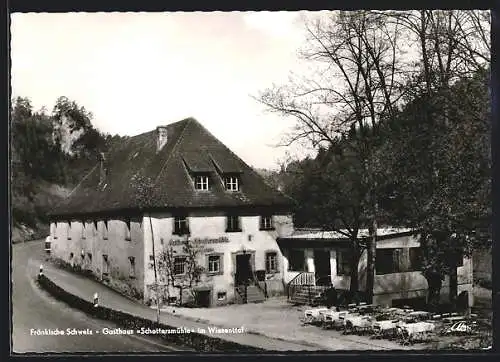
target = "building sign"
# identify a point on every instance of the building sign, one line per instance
(222, 239)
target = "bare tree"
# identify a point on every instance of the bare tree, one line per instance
(358, 83)
(187, 278)
(474, 38)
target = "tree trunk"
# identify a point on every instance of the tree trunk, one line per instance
(370, 263)
(453, 286)
(354, 285)
(434, 283)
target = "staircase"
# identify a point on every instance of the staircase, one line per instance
(307, 294)
(303, 289)
(254, 294)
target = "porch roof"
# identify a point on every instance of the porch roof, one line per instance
(338, 238)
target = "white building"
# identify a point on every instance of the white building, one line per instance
(324, 257)
(176, 183)
(180, 183)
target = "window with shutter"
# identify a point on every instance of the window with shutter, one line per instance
(233, 223)
(105, 264)
(127, 230)
(181, 225)
(388, 261)
(271, 262)
(68, 230)
(296, 260)
(105, 230)
(83, 229)
(132, 266)
(344, 262)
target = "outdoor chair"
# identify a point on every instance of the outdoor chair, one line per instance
(358, 324)
(409, 333)
(420, 316)
(387, 321)
(312, 316)
(333, 318)
(384, 328)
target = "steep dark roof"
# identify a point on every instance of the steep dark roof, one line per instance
(190, 147)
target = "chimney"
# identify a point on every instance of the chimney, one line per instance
(161, 137)
(104, 169)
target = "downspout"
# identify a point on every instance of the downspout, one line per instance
(156, 275)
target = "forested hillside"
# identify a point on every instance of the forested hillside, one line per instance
(50, 151)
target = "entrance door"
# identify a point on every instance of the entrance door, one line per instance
(243, 269)
(322, 267)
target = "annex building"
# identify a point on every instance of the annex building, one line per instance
(319, 258)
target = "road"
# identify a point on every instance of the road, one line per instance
(33, 308)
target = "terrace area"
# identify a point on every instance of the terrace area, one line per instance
(279, 319)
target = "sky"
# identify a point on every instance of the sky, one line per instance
(135, 71)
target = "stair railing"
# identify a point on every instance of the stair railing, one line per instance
(257, 283)
(241, 290)
(300, 280)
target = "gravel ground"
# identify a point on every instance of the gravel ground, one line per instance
(278, 319)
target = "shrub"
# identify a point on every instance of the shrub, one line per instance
(485, 283)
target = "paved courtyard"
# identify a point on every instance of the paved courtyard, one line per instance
(278, 319)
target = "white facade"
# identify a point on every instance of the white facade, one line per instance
(106, 251)
(212, 225)
(388, 286)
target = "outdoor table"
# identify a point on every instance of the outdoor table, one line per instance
(333, 318)
(410, 332)
(385, 328)
(419, 316)
(313, 315)
(358, 323)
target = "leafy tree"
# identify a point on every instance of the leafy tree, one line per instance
(39, 158)
(443, 175)
(66, 111)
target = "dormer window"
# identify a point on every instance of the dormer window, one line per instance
(232, 183)
(201, 182)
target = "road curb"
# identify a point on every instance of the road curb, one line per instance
(197, 341)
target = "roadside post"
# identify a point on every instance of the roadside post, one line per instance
(96, 300)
